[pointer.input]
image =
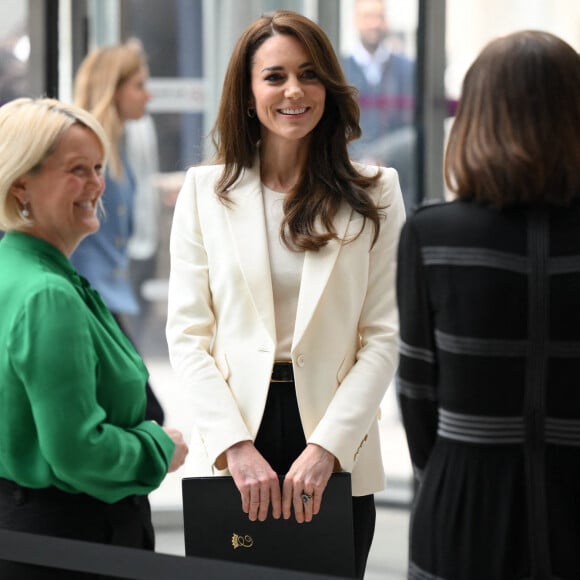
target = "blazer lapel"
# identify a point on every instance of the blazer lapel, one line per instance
(247, 224)
(315, 274)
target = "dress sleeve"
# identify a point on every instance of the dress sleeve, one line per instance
(417, 373)
(52, 351)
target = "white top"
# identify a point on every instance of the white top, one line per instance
(143, 159)
(286, 271)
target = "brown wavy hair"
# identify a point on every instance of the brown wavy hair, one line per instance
(516, 139)
(329, 178)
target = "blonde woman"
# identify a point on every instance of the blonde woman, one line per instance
(77, 457)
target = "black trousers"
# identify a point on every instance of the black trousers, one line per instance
(281, 439)
(56, 513)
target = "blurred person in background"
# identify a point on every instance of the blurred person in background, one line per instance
(142, 151)
(77, 456)
(111, 84)
(385, 80)
(488, 292)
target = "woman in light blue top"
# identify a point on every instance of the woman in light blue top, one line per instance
(111, 84)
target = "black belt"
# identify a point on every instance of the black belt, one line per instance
(282, 372)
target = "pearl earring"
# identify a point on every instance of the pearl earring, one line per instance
(25, 212)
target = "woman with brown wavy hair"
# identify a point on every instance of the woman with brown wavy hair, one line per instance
(282, 319)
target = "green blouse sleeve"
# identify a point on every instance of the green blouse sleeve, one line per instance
(53, 351)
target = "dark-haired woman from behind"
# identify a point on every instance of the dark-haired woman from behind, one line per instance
(488, 291)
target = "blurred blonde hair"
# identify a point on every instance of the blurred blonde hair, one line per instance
(99, 76)
(30, 130)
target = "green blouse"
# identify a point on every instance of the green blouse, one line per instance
(72, 387)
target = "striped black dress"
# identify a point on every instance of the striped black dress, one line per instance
(489, 389)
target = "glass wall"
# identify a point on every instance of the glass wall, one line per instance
(14, 50)
(171, 32)
(470, 25)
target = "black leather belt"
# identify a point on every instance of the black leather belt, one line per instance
(282, 373)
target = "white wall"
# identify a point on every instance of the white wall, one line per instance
(473, 23)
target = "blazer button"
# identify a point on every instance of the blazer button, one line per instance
(300, 360)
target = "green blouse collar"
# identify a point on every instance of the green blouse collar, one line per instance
(30, 244)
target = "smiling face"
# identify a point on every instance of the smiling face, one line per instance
(288, 95)
(62, 194)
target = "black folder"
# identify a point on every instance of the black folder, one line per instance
(216, 527)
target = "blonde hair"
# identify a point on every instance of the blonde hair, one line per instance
(30, 130)
(99, 76)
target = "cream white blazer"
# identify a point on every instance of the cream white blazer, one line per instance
(221, 329)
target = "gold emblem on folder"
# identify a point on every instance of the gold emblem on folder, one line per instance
(242, 541)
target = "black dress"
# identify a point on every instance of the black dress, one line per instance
(489, 389)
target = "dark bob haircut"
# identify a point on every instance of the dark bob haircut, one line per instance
(516, 137)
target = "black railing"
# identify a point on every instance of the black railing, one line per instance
(114, 561)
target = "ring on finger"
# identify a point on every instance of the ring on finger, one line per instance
(306, 497)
